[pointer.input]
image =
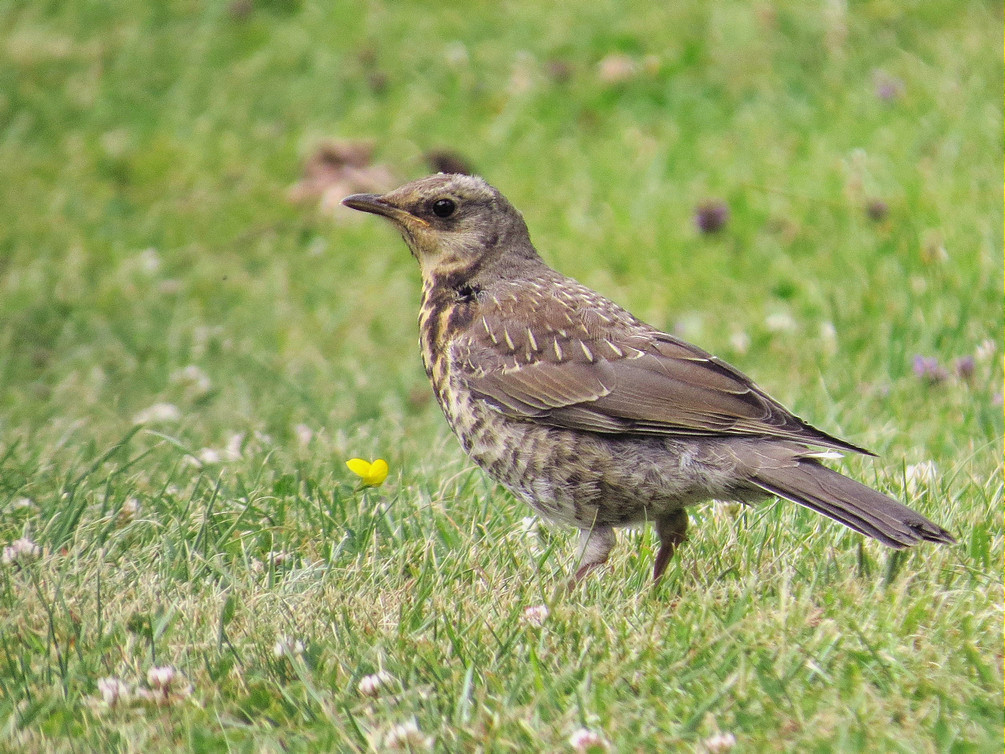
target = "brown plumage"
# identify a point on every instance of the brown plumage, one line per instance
(591, 416)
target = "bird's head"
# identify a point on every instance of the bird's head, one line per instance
(455, 225)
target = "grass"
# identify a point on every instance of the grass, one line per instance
(146, 155)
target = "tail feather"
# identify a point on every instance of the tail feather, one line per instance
(856, 506)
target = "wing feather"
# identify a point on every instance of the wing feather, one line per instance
(615, 375)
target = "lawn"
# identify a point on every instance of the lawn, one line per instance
(194, 339)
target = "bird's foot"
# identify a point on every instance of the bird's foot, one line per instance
(672, 531)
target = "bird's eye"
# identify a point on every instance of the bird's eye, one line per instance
(444, 207)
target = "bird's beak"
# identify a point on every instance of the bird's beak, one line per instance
(376, 204)
(369, 203)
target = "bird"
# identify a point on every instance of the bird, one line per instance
(591, 416)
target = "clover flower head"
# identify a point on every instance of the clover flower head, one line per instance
(129, 510)
(287, 646)
(21, 503)
(113, 691)
(371, 685)
(535, 615)
(985, 349)
(781, 322)
(20, 551)
(165, 686)
(161, 677)
(406, 736)
(740, 342)
(304, 434)
(719, 742)
(928, 369)
(584, 740)
(159, 413)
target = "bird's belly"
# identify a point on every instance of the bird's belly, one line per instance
(581, 478)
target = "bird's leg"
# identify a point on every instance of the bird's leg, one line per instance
(594, 546)
(672, 530)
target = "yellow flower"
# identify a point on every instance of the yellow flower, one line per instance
(372, 474)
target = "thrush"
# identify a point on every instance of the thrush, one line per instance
(591, 416)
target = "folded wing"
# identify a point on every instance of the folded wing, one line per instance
(609, 380)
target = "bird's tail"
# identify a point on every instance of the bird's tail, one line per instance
(861, 508)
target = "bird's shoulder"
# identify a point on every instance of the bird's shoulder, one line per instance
(549, 320)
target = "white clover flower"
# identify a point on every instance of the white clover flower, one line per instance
(304, 434)
(985, 350)
(719, 742)
(233, 450)
(213, 456)
(159, 413)
(781, 322)
(584, 739)
(113, 691)
(20, 503)
(165, 686)
(286, 646)
(406, 736)
(161, 677)
(535, 615)
(129, 510)
(371, 685)
(208, 456)
(21, 550)
(740, 342)
(617, 69)
(149, 261)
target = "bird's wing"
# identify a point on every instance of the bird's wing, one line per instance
(604, 371)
